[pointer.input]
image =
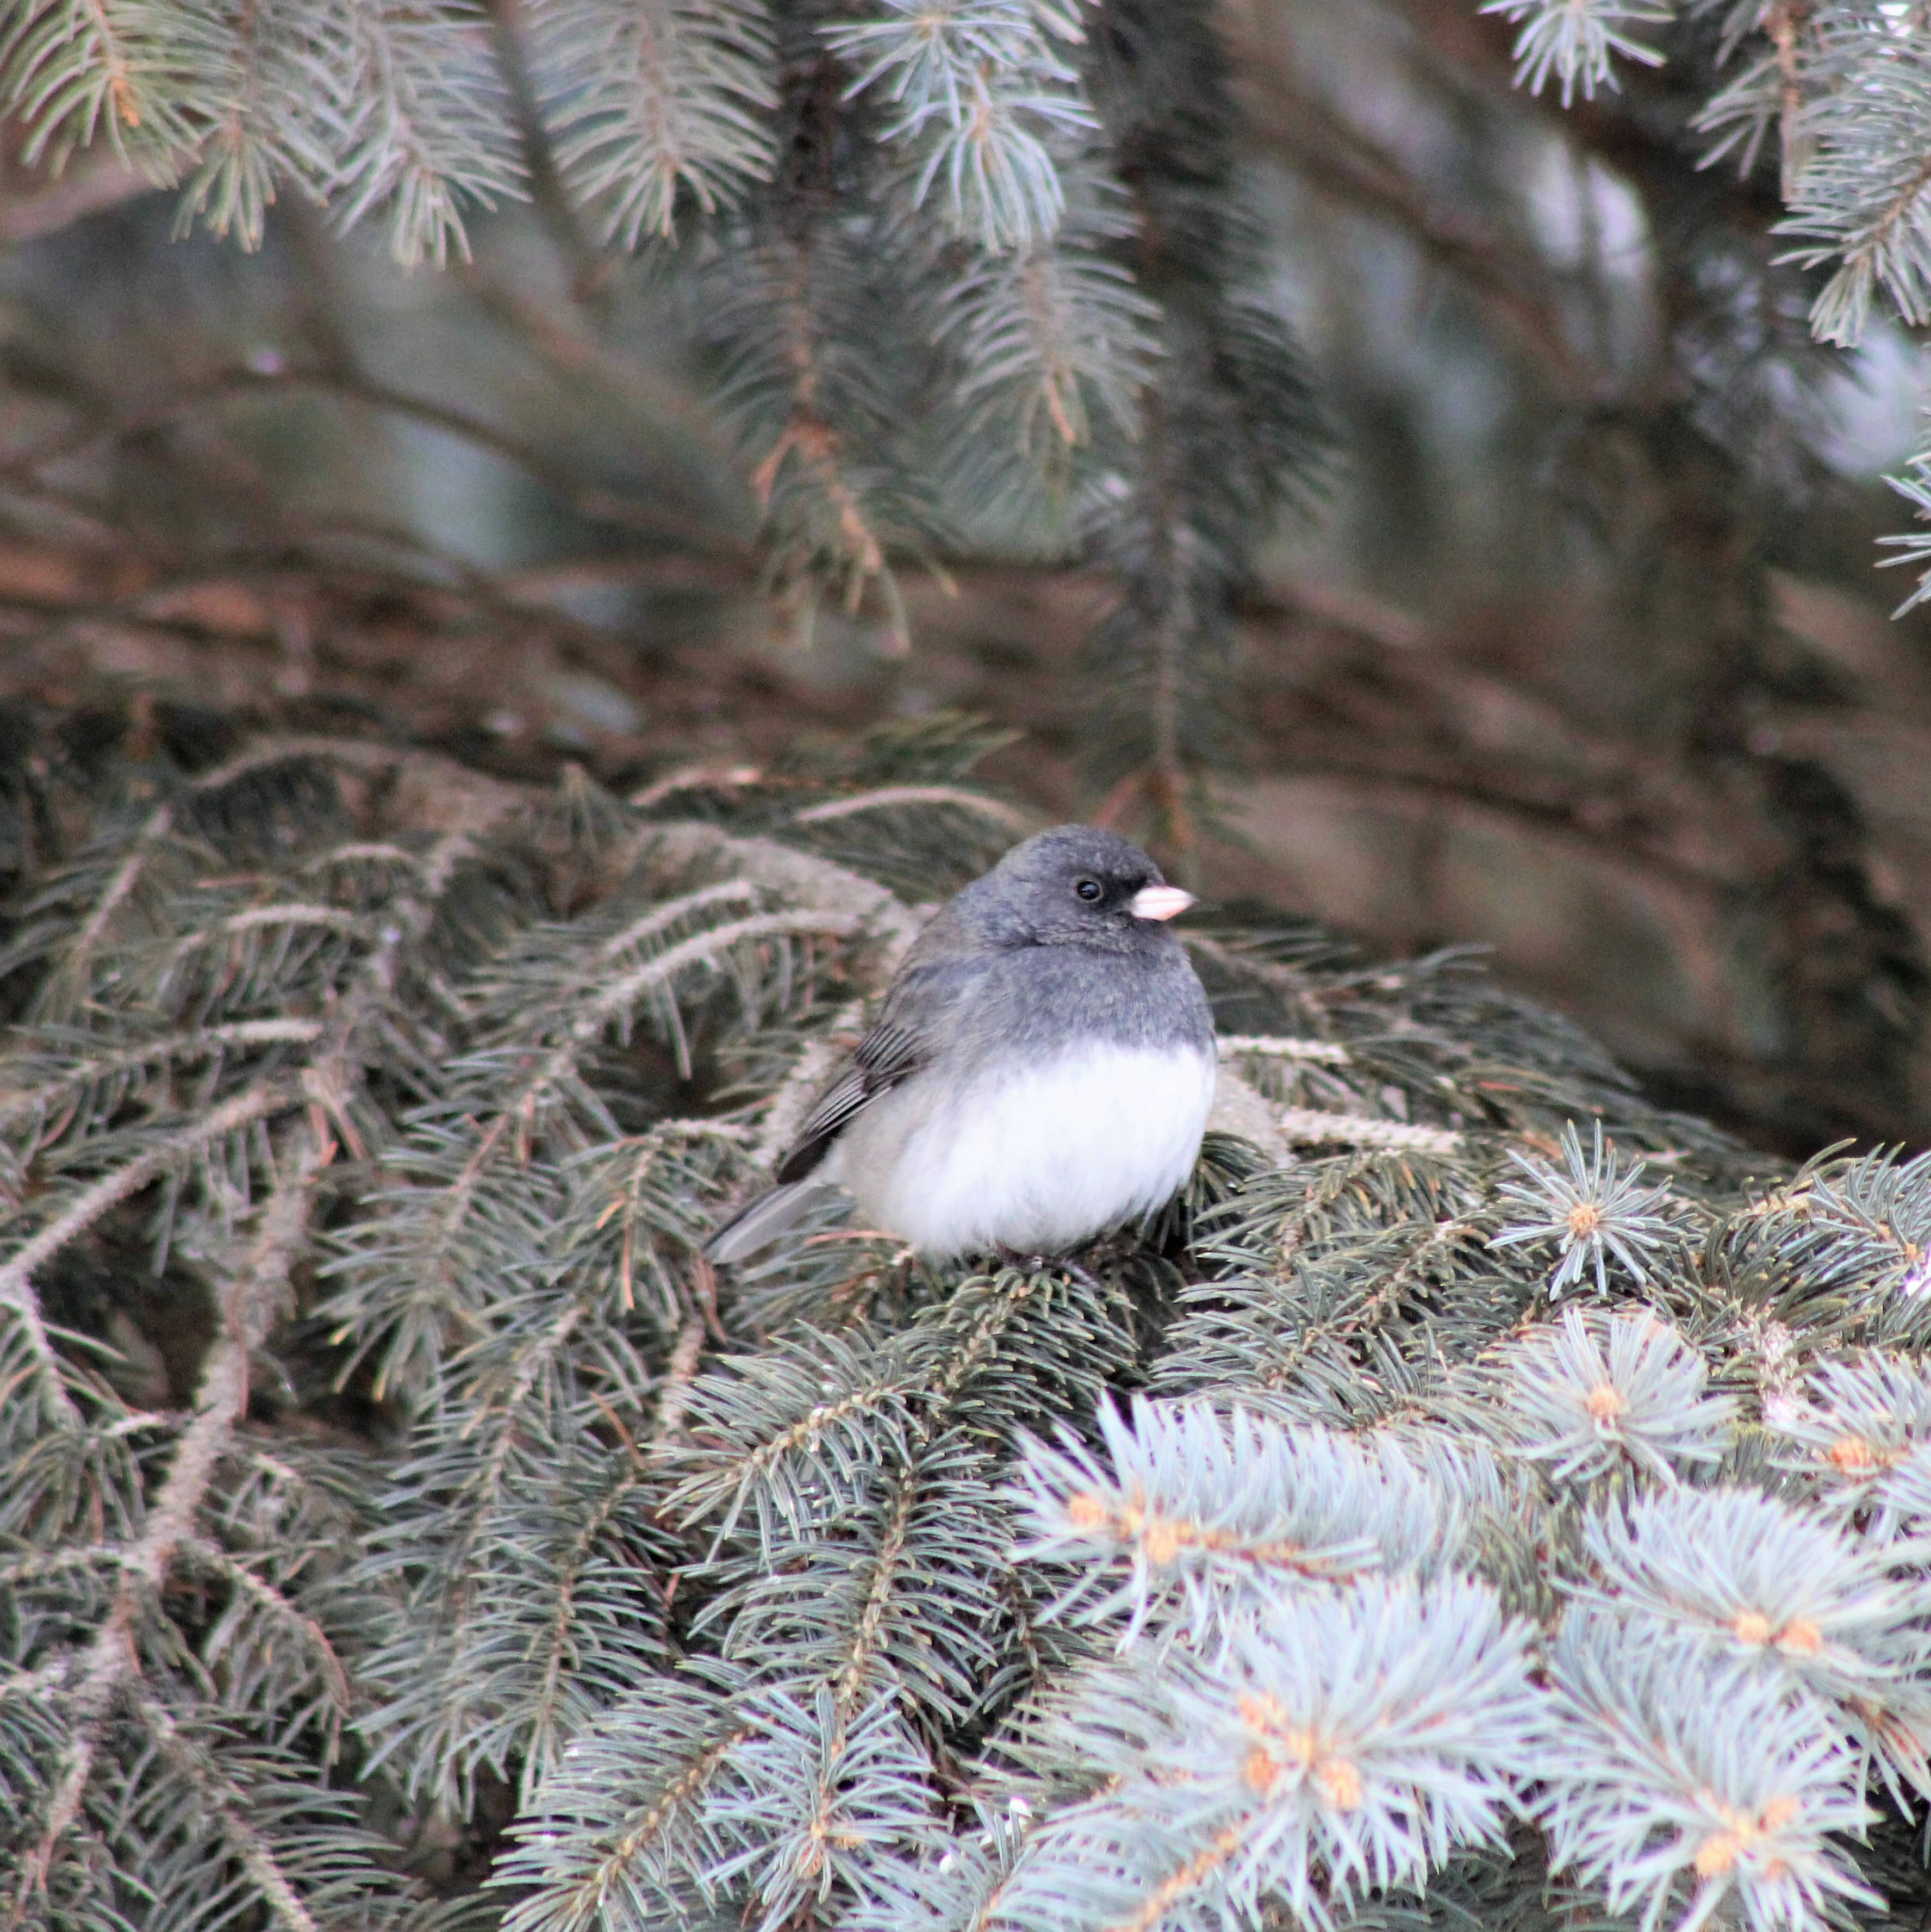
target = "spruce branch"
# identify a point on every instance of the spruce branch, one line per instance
(295, 1852)
(63, 988)
(1913, 549)
(897, 1601)
(77, 70)
(785, 306)
(778, 1432)
(718, 1574)
(1241, 1110)
(254, 1298)
(783, 869)
(1856, 1232)
(624, 1820)
(560, 346)
(981, 92)
(1863, 200)
(1312, 1126)
(1228, 433)
(893, 798)
(170, 1153)
(1212, 1519)
(1769, 91)
(92, 1084)
(641, 1205)
(28, 1356)
(1848, 91)
(542, 1040)
(1325, 1276)
(1834, 1621)
(1051, 338)
(1742, 1805)
(677, 1376)
(1318, 1052)
(1576, 41)
(1283, 1772)
(499, 1667)
(265, 128)
(475, 1678)
(813, 1801)
(838, 1401)
(420, 121)
(653, 104)
(1857, 1433)
(259, 1620)
(1591, 1209)
(794, 1096)
(1600, 1389)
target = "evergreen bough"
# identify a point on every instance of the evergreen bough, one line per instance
(979, 276)
(1483, 1498)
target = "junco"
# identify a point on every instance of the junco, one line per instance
(1041, 1070)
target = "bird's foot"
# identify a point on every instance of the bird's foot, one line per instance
(1036, 1264)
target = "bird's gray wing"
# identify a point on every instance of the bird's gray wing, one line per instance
(919, 1018)
(891, 1050)
(885, 1056)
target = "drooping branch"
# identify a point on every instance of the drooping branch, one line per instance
(253, 1298)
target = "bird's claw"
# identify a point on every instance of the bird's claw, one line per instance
(1038, 1264)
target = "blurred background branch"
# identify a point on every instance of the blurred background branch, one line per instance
(1395, 494)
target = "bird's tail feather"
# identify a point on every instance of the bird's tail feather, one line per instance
(764, 1221)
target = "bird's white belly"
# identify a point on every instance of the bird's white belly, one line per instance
(1038, 1161)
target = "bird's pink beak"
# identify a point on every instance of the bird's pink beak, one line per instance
(1158, 902)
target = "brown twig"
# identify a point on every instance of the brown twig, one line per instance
(678, 1377)
(50, 203)
(17, 1273)
(251, 1303)
(589, 268)
(595, 505)
(575, 356)
(1783, 21)
(1340, 161)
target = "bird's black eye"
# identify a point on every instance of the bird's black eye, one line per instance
(1089, 889)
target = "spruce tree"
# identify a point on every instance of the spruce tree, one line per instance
(1484, 1496)
(981, 276)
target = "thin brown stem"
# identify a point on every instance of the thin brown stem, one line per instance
(251, 1303)
(595, 505)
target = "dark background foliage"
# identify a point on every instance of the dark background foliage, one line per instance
(1568, 643)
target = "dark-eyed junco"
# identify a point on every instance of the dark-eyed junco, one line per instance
(1041, 1070)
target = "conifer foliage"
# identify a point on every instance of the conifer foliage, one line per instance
(1484, 1497)
(1481, 1496)
(1834, 99)
(980, 276)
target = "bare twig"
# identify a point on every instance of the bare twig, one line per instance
(52, 201)
(252, 1301)
(575, 356)
(1240, 1110)
(589, 269)
(801, 876)
(17, 1273)
(888, 796)
(793, 1097)
(678, 1378)
(595, 505)
(1268, 1046)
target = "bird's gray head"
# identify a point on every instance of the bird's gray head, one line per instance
(1077, 885)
